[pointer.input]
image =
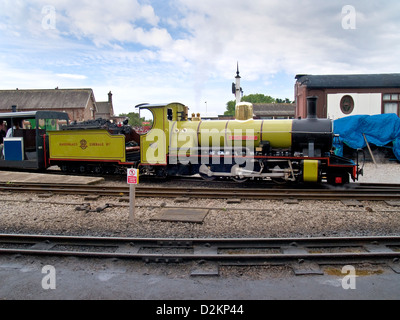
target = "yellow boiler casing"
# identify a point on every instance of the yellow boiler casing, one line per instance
(86, 145)
(278, 133)
(231, 133)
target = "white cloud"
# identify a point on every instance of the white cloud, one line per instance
(284, 35)
(72, 76)
(146, 50)
(107, 22)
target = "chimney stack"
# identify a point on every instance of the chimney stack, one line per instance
(312, 107)
(14, 108)
(110, 97)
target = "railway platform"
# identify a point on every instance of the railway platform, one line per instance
(29, 177)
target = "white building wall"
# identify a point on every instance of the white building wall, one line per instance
(364, 103)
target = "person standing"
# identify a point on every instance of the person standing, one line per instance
(16, 126)
(3, 134)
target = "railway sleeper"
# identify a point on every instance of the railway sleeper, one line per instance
(87, 208)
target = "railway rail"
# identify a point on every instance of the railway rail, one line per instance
(374, 192)
(225, 251)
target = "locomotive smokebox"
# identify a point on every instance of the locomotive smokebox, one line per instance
(312, 107)
(312, 136)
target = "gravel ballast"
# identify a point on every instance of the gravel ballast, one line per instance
(28, 213)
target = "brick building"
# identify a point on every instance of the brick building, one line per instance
(80, 104)
(346, 95)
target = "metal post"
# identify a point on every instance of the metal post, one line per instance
(370, 151)
(132, 202)
(133, 180)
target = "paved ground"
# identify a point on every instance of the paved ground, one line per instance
(21, 177)
(22, 278)
(87, 279)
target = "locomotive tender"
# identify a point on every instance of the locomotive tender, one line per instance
(280, 150)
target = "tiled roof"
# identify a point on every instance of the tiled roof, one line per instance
(391, 80)
(274, 109)
(44, 99)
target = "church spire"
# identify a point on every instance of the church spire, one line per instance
(237, 90)
(238, 73)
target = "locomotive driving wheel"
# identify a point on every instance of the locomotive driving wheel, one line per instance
(236, 176)
(206, 177)
(279, 181)
(240, 180)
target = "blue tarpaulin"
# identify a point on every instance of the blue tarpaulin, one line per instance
(379, 130)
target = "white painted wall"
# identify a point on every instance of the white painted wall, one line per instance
(364, 103)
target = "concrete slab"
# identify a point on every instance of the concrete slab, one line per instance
(306, 268)
(393, 203)
(28, 177)
(290, 201)
(352, 203)
(182, 215)
(182, 200)
(207, 269)
(234, 201)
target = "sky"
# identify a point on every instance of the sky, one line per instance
(161, 51)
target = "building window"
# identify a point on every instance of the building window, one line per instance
(391, 103)
(347, 105)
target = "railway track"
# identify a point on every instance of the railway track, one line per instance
(223, 251)
(356, 192)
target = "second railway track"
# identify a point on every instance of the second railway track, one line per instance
(237, 251)
(358, 192)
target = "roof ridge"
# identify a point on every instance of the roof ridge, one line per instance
(57, 89)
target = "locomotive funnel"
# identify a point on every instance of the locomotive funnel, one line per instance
(312, 107)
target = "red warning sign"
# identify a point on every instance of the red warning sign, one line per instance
(133, 176)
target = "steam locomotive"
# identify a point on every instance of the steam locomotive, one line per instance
(242, 149)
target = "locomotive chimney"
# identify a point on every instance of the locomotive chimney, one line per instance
(312, 107)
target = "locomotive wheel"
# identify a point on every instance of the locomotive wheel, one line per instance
(82, 169)
(279, 181)
(206, 177)
(240, 180)
(98, 170)
(73, 169)
(235, 172)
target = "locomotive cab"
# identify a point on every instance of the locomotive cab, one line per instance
(155, 144)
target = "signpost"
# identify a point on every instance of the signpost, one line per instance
(133, 181)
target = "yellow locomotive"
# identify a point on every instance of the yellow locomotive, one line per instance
(241, 149)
